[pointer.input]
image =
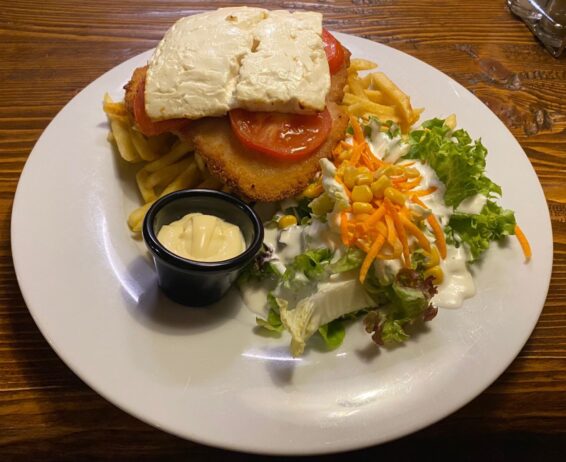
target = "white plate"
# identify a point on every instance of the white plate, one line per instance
(205, 374)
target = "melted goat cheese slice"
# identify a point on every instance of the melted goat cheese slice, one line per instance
(288, 70)
(242, 57)
(194, 70)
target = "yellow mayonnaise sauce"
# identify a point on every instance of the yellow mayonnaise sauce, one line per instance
(202, 238)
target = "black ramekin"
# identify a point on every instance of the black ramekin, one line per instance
(196, 283)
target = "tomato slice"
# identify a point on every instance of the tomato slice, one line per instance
(334, 51)
(147, 126)
(284, 136)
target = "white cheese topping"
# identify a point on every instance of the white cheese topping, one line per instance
(194, 70)
(288, 70)
(239, 57)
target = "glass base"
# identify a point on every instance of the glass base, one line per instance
(546, 19)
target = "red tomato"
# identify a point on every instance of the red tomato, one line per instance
(147, 126)
(284, 136)
(334, 51)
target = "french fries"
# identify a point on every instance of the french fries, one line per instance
(169, 164)
(376, 95)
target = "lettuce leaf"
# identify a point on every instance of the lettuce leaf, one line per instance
(458, 162)
(259, 269)
(400, 304)
(333, 333)
(477, 231)
(312, 264)
(301, 211)
(352, 259)
(273, 321)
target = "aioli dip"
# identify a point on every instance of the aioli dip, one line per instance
(202, 237)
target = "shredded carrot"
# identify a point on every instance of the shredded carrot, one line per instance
(370, 257)
(396, 252)
(436, 228)
(381, 228)
(524, 243)
(358, 132)
(369, 159)
(391, 233)
(413, 183)
(425, 192)
(362, 245)
(415, 231)
(356, 154)
(400, 232)
(348, 192)
(376, 216)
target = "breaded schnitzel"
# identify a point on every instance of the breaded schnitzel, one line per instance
(255, 175)
(250, 173)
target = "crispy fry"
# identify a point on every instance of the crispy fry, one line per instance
(187, 178)
(355, 85)
(135, 219)
(365, 81)
(367, 107)
(121, 133)
(167, 174)
(146, 190)
(177, 152)
(114, 109)
(399, 99)
(374, 95)
(142, 146)
(359, 64)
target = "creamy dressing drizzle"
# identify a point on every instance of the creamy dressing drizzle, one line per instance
(472, 205)
(458, 282)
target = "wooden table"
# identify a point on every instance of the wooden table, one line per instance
(51, 49)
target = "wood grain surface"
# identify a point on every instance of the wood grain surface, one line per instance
(50, 50)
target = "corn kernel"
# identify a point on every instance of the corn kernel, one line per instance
(286, 221)
(395, 196)
(344, 155)
(364, 178)
(313, 190)
(361, 207)
(436, 273)
(378, 186)
(380, 172)
(362, 193)
(433, 258)
(350, 174)
(411, 172)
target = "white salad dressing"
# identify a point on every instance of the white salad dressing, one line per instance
(458, 282)
(291, 243)
(386, 148)
(472, 205)
(254, 295)
(435, 200)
